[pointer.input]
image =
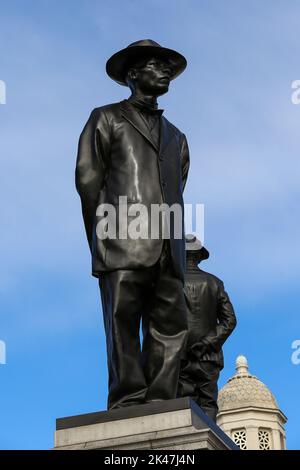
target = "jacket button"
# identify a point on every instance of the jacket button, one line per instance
(161, 157)
(164, 184)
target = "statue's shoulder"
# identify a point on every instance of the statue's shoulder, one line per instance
(105, 115)
(173, 128)
(107, 109)
(211, 278)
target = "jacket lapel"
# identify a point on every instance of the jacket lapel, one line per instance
(166, 134)
(137, 121)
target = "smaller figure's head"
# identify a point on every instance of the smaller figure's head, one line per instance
(195, 251)
(151, 76)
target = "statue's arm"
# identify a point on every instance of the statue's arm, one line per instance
(226, 319)
(214, 341)
(91, 167)
(185, 160)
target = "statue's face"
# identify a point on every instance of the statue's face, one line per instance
(153, 77)
(194, 257)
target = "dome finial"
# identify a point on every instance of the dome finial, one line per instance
(241, 365)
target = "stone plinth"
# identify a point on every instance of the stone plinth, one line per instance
(164, 425)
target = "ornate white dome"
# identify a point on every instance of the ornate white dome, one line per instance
(244, 390)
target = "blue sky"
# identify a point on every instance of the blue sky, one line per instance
(234, 105)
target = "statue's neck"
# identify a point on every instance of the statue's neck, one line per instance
(147, 100)
(192, 264)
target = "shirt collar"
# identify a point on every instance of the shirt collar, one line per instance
(145, 106)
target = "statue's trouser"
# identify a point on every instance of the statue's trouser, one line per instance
(199, 380)
(155, 296)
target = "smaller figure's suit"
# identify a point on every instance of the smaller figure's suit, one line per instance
(211, 319)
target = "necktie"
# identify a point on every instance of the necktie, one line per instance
(153, 120)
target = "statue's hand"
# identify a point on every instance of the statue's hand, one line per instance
(198, 350)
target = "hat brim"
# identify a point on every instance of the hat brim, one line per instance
(201, 253)
(204, 253)
(118, 63)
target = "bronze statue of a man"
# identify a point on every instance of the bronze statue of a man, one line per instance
(211, 319)
(130, 149)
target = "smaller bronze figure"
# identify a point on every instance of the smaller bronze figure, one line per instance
(211, 319)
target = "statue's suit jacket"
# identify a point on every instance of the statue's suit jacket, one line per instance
(117, 156)
(211, 317)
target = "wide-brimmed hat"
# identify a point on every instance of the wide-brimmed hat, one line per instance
(117, 65)
(193, 245)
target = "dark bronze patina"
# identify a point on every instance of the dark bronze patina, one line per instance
(211, 319)
(130, 149)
